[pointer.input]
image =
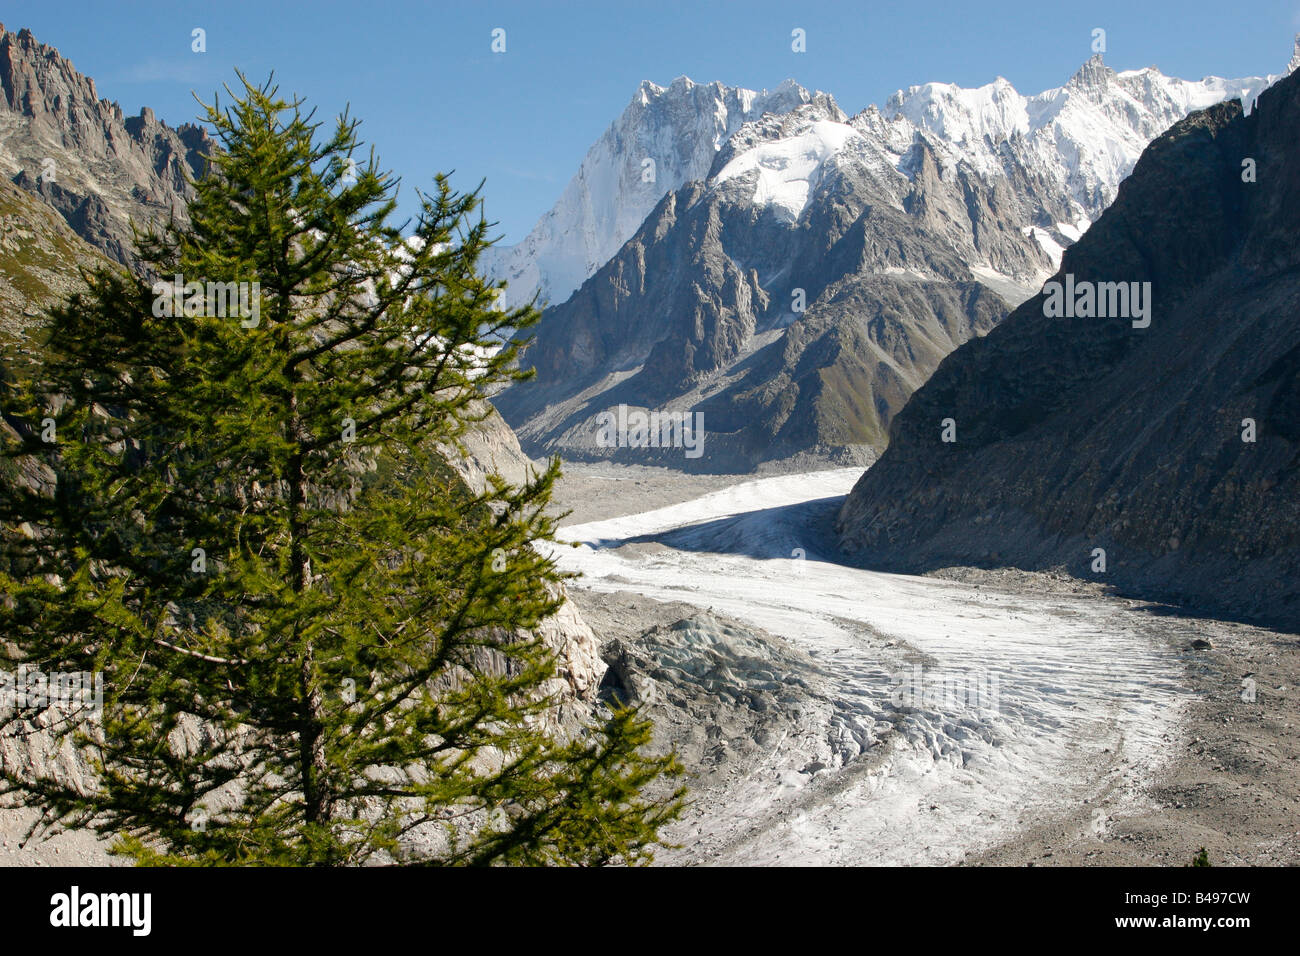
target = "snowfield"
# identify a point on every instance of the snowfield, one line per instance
(1074, 702)
(789, 169)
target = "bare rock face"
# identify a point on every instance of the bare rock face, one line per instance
(580, 667)
(488, 447)
(99, 168)
(1163, 458)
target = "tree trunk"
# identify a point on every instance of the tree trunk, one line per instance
(311, 746)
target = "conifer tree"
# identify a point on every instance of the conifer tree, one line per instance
(318, 643)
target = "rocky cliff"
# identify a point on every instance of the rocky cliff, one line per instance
(97, 167)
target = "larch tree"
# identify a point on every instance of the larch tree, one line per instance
(318, 644)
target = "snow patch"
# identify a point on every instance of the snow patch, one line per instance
(789, 169)
(1049, 245)
(1074, 230)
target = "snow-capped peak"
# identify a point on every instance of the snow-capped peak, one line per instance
(665, 138)
(957, 115)
(1093, 75)
(1083, 137)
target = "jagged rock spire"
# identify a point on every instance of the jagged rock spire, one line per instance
(99, 168)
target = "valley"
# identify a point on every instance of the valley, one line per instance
(931, 472)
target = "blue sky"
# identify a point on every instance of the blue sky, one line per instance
(434, 97)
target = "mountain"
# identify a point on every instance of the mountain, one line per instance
(902, 234)
(699, 311)
(1084, 136)
(679, 129)
(1170, 440)
(98, 168)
